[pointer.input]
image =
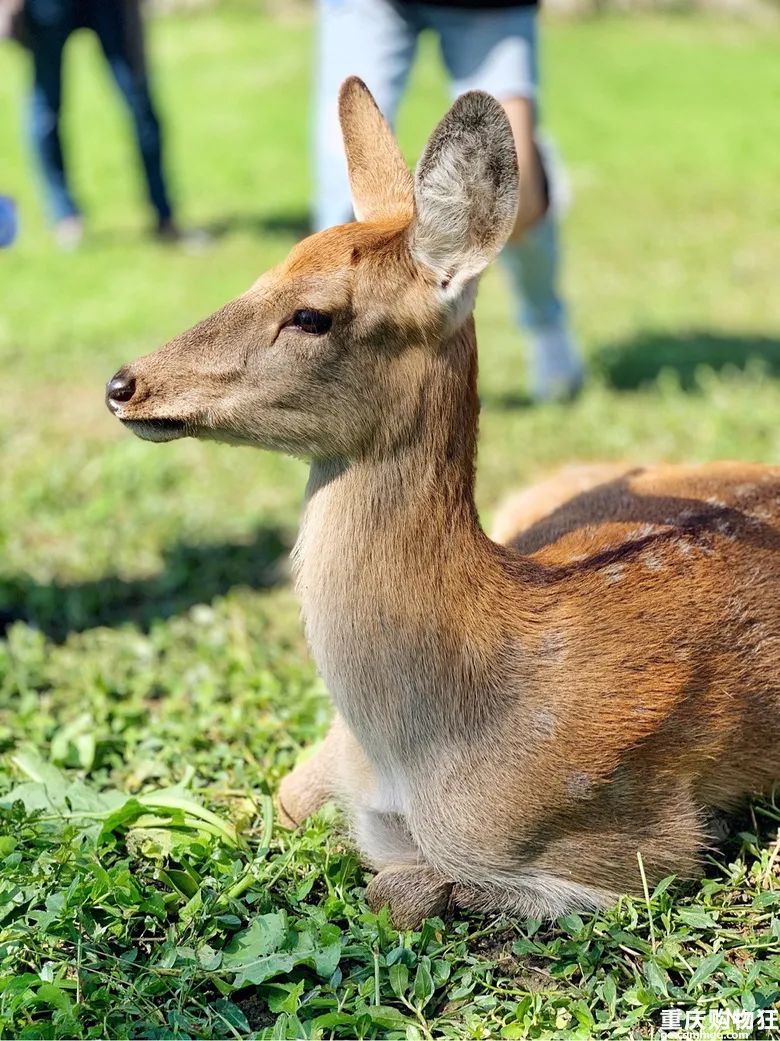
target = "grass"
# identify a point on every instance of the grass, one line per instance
(154, 684)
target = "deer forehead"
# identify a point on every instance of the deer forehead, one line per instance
(346, 246)
(362, 267)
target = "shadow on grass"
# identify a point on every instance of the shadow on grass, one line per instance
(756, 824)
(638, 361)
(192, 574)
(505, 401)
(296, 223)
(629, 364)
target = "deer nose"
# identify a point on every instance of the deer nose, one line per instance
(119, 389)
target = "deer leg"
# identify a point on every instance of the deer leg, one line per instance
(316, 780)
(411, 892)
(544, 897)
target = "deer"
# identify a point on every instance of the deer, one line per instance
(530, 725)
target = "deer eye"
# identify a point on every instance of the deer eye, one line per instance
(308, 321)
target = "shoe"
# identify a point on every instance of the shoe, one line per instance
(69, 232)
(557, 369)
(194, 240)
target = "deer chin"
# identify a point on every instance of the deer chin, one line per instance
(157, 429)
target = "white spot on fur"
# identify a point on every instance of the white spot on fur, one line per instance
(615, 573)
(578, 785)
(652, 561)
(639, 534)
(725, 527)
(552, 647)
(543, 722)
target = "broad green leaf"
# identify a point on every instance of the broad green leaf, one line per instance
(124, 813)
(53, 995)
(7, 845)
(76, 736)
(285, 998)
(191, 908)
(263, 967)
(696, 919)
(30, 763)
(83, 799)
(267, 933)
(705, 969)
(609, 991)
(255, 954)
(232, 1014)
(423, 985)
(34, 795)
(662, 886)
(571, 923)
(656, 977)
(208, 958)
(767, 899)
(180, 880)
(399, 978)
(326, 959)
(333, 1019)
(387, 1016)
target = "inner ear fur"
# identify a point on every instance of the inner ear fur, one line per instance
(466, 189)
(379, 179)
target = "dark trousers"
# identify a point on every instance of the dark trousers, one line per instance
(117, 24)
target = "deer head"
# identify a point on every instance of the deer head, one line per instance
(325, 356)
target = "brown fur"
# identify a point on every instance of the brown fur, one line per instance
(381, 185)
(515, 723)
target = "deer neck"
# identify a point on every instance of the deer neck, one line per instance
(389, 553)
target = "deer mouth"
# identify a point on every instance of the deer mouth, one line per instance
(156, 429)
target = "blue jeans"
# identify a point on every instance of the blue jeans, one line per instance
(117, 24)
(493, 50)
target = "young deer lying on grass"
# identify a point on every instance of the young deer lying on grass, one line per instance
(514, 722)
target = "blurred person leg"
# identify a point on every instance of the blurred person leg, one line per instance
(120, 31)
(375, 40)
(496, 51)
(49, 23)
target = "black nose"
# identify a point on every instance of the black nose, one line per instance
(119, 389)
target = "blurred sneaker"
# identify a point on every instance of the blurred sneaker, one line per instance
(193, 240)
(556, 367)
(68, 233)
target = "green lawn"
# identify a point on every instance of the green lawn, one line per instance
(153, 641)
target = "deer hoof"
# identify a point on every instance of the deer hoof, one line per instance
(297, 799)
(412, 894)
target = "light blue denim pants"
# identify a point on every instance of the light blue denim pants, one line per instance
(492, 50)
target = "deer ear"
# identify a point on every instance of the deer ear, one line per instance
(465, 189)
(378, 176)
